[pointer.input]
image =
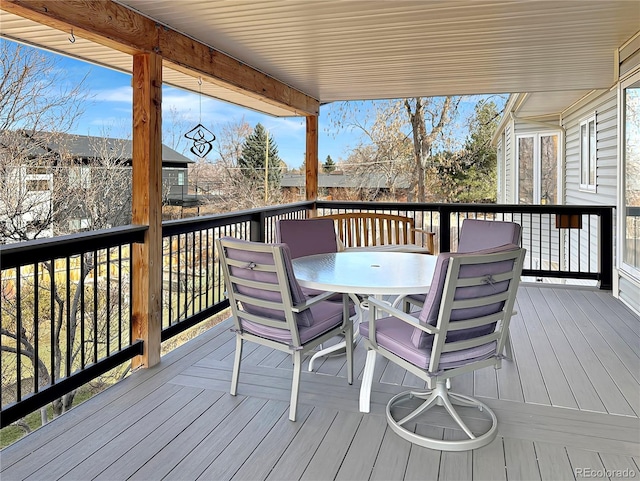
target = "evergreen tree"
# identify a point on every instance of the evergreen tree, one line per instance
(470, 175)
(329, 165)
(252, 159)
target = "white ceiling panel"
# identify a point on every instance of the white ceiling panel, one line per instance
(352, 50)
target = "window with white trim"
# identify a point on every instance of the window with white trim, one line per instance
(630, 150)
(588, 154)
(538, 164)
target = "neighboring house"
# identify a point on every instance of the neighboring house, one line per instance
(339, 185)
(33, 166)
(581, 148)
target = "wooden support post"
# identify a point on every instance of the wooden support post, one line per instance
(147, 206)
(311, 161)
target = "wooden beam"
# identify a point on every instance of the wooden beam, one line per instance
(114, 25)
(147, 206)
(311, 158)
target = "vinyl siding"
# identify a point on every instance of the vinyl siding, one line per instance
(605, 109)
(509, 156)
(628, 291)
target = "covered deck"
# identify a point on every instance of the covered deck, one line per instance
(567, 407)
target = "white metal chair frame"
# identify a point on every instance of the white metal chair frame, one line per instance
(438, 380)
(296, 348)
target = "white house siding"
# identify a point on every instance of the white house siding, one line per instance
(628, 292)
(606, 115)
(509, 168)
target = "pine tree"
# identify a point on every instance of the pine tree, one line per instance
(252, 159)
(329, 165)
(470, 174)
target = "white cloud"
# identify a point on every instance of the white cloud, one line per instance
(286, 124)
(120, 94)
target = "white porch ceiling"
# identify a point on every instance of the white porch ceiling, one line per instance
(353, 50)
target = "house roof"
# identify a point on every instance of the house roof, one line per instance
(91, 147)
(336, 50)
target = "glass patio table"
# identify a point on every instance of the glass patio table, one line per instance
(366, 273)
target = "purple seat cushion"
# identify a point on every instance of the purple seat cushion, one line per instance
(431, 308)
(307, 237)
(304, 318)
(326, 315)
(477, 235)
(395, 336)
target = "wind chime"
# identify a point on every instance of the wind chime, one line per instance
(201, 136)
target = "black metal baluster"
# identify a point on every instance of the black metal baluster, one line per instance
(68, 317)
(108, 301)
(36, 331)
(52, 327)
(18, 335)
(95, 306)
(83, 361)
(119, 297)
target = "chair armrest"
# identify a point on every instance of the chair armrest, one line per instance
(312, 301)
(397, 313)
(430, 239)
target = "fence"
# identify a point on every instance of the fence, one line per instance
(65, 301)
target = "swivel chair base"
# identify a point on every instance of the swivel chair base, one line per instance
(440, 396)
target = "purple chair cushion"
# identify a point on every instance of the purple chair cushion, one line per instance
(326, 316)
(431, 308)
(304, 318)
(395, 335)
(479, 235)
(476, 235)
(306, 237)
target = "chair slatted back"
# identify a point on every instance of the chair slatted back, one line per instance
(366, 229)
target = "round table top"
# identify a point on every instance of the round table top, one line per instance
(372, 272)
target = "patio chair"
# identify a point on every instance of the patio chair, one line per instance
(475, 235)
(462, 327)
(269, 308)
(307, 237)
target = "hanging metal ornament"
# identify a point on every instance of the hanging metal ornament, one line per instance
(201, 136)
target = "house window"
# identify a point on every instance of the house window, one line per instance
(180, 178)
(37, 170)
(588, 154)
(80, 177)
(37, 185)
(630, 147)
(79, 224)
(538, 168)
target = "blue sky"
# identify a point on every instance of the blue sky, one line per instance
(110, 110)
(109, 113)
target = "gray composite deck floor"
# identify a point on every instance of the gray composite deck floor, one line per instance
(567, 407)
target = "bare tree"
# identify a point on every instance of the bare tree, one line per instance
(398, 136)
(384, 147)
(47, 190)
(428, 117)
(174, 126)
(232, 190)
